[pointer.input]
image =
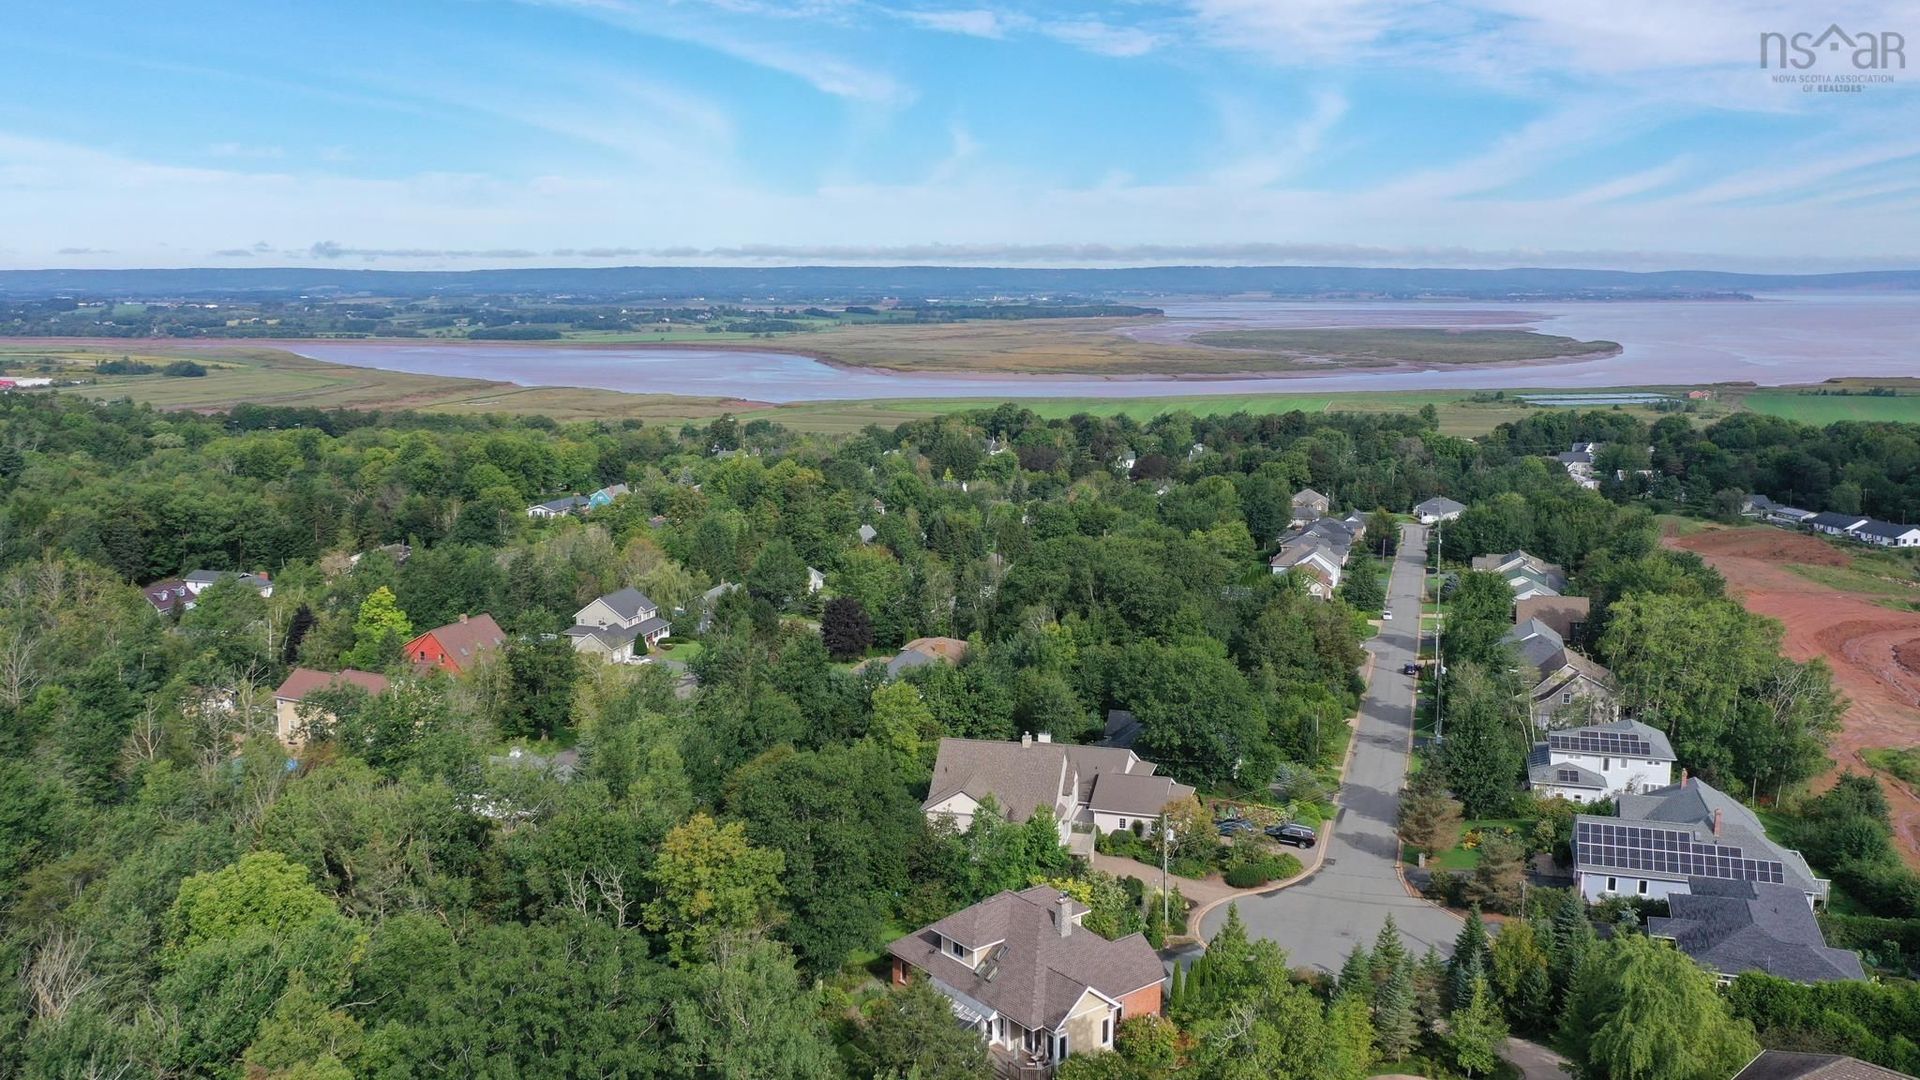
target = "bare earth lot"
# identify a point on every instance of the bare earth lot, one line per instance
(1874, 650)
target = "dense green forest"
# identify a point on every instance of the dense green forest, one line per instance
(705, 893)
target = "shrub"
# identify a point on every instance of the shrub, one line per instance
(1247, 875)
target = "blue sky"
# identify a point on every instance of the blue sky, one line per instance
(461, 133)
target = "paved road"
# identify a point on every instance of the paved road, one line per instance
(1319, 920)
(1537, 1062)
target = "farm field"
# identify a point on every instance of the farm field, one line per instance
(1813, 408)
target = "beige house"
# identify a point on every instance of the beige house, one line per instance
(1037, 986)
(1565, 688)
(1107, 788)
(288, 723)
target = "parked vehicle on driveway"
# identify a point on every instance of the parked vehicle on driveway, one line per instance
(1299, 836)
(1410, 669)
(1236, 826)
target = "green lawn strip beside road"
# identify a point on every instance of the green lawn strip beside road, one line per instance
(1460, 856)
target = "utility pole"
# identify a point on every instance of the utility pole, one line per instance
(1166, 919)
(1439, 632)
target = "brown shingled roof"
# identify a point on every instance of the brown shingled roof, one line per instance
(1033, 975)
(304, 681)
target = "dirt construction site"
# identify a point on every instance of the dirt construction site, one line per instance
(1874, 650)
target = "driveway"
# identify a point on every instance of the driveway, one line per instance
(1319, 920)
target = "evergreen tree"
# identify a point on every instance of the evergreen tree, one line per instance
(1470, 950)
(1429, 989)
(1356, 975)
(297, 628)
(1389, 953)
(1396, 1029)
(1477, 1032)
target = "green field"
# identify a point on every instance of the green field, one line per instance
(1396, 345)
(1814, 408)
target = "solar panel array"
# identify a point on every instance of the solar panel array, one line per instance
(1618, 743)
(1667, 851)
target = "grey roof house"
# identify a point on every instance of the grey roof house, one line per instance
(1662, 841)
(1791, 1065)
(609, 626)
(1729, 926)
(1438, 509)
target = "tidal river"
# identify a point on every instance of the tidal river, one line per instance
(1772, 341)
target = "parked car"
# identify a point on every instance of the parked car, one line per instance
(1294, 835)
(1410, 669)
(1387, 615)
(1236, 826)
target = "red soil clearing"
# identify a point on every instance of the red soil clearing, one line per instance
(1874, 651)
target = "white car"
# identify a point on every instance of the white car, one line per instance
(1387, 615)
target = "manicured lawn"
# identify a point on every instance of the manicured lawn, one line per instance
(685, 652)
(1458, 858)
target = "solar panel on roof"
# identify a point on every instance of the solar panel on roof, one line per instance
(1621, 743)
(1632, 847)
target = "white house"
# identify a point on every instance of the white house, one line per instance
(816, 580)
(1835, 524)
(1317, 551)
(201, 580)
(1579, 463)
(1887, 534)
(1125, 461)
(1103, 787)
(1438, 509)
(1663, 841)
(560, 507)
(1601, 761)
(609, 626)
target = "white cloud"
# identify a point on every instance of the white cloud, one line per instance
(977, 22)
(1100, 37)
(824, 71)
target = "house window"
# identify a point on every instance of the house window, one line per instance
(1605, 764)
(1643, 888)
(1061, 1053)
(1566, 698)
(1123, 823)
(1613, 885)
(1106, 1032)
(957, 950)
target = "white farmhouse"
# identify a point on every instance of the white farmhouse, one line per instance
(1601, 761)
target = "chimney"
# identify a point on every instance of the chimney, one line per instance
(1683, 778)
(1026, 738)
(1045, 737)
(1716, 821)
(1063, 914)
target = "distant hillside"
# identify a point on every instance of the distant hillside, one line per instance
(854, 283)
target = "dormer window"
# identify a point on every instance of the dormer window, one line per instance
(957, 949)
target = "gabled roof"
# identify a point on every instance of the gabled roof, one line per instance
(1021, 777)
(1736, 926)
(1542, 771)
(1886, 529)
(1032, 974)
(1134, 794)
(564, 505)
(1827, 519)
(926, 650)
(628, 603)
(611, 637)
(1619, 738)
(1439, 504)
(304, 681)
(1786, 1065)
(1308, 495)
(1690, 805)
(166, 594)
(468, 637)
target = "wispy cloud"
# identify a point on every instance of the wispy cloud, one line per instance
(825, 71)
(83, 251)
